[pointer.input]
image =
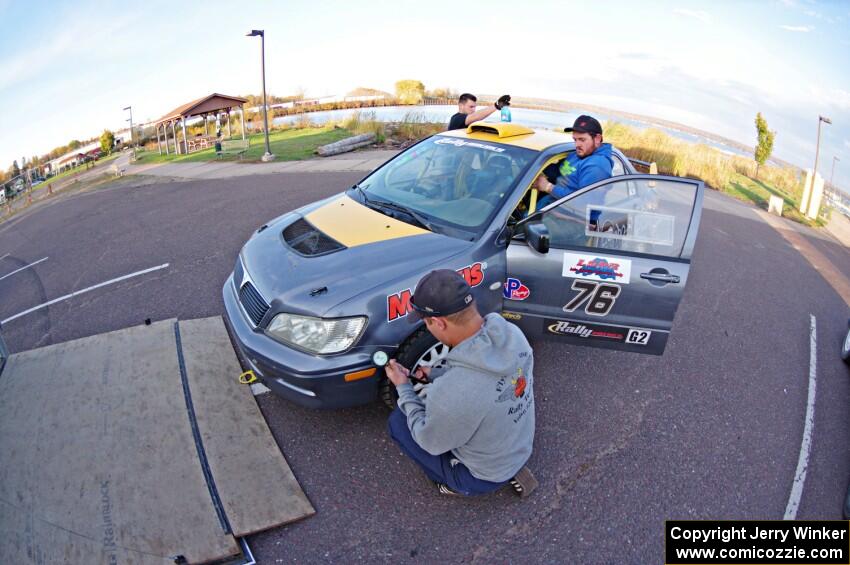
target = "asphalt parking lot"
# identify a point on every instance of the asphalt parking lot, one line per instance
(712, 429)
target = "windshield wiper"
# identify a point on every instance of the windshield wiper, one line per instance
(417, 217)
(363, 194)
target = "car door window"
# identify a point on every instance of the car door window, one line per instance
(631, 214)
(619, 169)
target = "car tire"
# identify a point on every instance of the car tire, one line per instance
(845, 348)
(421, 348)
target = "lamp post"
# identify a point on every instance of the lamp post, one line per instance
(255, 32)
(817, 147)
(130, 108)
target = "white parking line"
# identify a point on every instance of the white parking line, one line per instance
(259, 388)
(4, 256)
(22, 268)
(99, 285)
(805, 448)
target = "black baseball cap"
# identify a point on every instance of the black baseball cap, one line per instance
(440, 293)
(585, 124)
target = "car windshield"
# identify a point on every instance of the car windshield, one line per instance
(451, 185)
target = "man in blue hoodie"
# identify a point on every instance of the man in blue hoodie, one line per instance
(472, 429)
(590, 163)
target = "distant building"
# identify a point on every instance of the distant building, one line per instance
(72, 158)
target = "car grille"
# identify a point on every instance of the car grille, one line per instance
(306, 240)
(250, 298)
(253, 303)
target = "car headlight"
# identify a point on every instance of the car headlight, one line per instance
(315, 334)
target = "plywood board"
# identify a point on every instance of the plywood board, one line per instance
(98, 460)
(256, 486)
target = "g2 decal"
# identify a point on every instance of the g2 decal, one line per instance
(600, 298)
(398, 304)
(638, 337)
(515, 290)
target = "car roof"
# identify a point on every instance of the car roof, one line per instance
(511, 134)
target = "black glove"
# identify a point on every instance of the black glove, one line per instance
(504, 100)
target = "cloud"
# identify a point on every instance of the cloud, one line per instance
(834, 98)
(847, 143)
(803, 29)
(696, 14)
(787, 3)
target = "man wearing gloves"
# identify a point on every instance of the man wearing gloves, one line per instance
(591, 162)
(466, 110)
(473, 431)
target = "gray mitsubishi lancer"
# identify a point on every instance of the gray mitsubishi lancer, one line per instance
(315, 293)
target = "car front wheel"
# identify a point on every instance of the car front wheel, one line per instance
(420, 350)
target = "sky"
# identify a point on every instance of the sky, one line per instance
(67, 69)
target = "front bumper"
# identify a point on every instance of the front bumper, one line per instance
(315, 381)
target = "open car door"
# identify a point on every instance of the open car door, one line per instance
(616, 267)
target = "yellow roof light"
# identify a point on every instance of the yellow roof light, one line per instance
(499, 129)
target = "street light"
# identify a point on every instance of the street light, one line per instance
(817, 147)
(131, 129)
(255, 32)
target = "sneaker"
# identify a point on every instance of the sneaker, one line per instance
(524, 482)
(446, 489)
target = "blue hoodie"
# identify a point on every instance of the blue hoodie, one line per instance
(575, 173)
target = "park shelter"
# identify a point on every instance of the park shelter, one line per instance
(214, 105)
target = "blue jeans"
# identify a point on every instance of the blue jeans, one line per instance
(439, 468)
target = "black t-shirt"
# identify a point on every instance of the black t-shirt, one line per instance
(458, 121)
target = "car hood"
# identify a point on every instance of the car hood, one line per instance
(372, 251)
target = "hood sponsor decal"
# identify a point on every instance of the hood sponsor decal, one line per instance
(463, 142)
(398, 304)
(569, 328)
(594, 267)
(515, 290)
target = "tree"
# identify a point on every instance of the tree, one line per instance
(107, 141)
(74, 144)
(765, 142)
(15, 170)
(409, 91)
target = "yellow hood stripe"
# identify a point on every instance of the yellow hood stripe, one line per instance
(352, 224)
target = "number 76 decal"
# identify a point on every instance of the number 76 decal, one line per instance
(600, 298)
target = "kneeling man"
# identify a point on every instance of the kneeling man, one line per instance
(473, 431)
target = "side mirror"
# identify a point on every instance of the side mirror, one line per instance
(537, 236)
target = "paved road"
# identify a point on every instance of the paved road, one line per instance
(710, 430)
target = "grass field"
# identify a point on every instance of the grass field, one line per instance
(286, 145)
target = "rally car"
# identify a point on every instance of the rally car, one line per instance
(317, 292)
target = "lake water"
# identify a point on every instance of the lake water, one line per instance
(547, 119)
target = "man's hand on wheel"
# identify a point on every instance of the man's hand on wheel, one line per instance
(504, 100)
(397, 373)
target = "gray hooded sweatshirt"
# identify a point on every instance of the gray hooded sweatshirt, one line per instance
(480, 406)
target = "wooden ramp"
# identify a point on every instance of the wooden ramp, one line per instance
(133, 447)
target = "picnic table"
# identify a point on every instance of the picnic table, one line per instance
(199, 143)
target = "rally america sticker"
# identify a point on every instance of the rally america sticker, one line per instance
(515, 290)
(568, 328)
(597, 268)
